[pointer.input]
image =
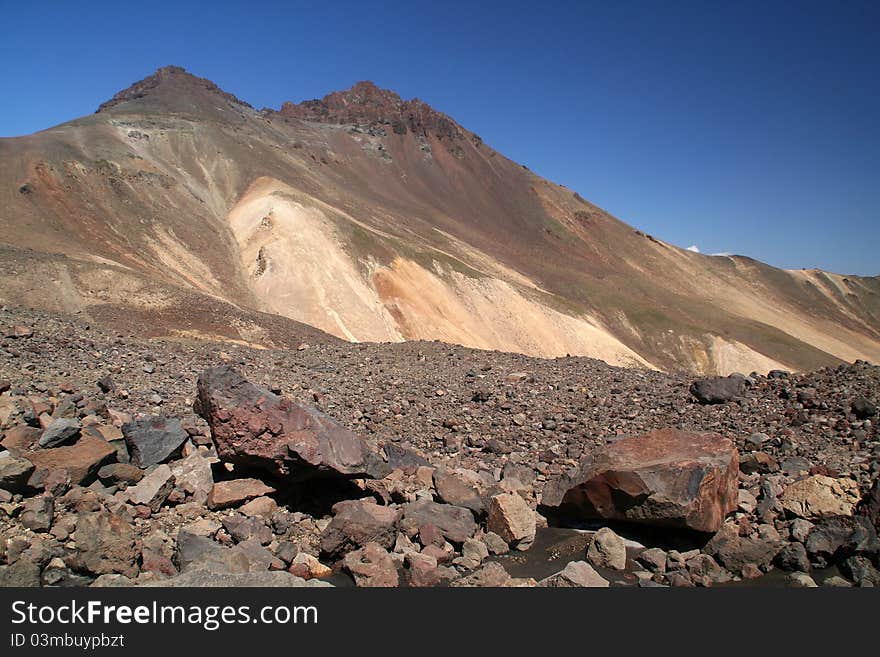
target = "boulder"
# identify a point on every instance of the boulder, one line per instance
(455, 523)
(718, 390)
(512, 519)
(819, 496)
(24, 573)
(358, 522)
(371, 566)
(153, 439)
(225, 494)
(666, 478)
(869, 507)
(607, 550)
(81, 461)
(254, 427)
(575, 574)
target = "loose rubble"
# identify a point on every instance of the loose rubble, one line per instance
(191, 463)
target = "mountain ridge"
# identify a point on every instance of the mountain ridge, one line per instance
(375, 218)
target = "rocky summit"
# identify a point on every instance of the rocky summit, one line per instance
(190, 462)
(178, 209)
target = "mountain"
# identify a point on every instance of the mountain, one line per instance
(178, 209)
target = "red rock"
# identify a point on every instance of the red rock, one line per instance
(252, 426)
(667, 478)
(371, 566)
(358, 522)
(226, 494)
(81, 460)
(21, 439)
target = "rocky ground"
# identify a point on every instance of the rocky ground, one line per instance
(445, 467)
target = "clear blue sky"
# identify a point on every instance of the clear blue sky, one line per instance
(736, 126)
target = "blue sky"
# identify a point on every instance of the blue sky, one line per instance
(738, 127)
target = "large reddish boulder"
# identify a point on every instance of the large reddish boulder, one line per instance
(253, 427)
(666, 478)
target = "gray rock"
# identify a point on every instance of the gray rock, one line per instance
(105, 543)
(22, 573)
(654, 559)
(14, 472)
(38, 513)
(793, 557)
(455, 523)
(153, 439)
(455, 488)
(59, 432)
(152, 490)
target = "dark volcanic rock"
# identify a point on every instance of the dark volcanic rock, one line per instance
(153, 439)
(863, 408)
(718, 390)
(834, 539)
(666, 478)
(253, 427)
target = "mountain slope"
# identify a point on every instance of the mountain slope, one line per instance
(374, 218)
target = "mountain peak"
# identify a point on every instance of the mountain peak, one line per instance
(172, 88)
(366, 103)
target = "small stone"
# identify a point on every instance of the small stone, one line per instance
(262, 506)
(38, 513)
(120, 473)
(654, 559)
(225, 494)
(575, 574)
(512, 519)
(371, 566)
(309, 566)
(152, 490)
(800, 580)
(607, 550)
